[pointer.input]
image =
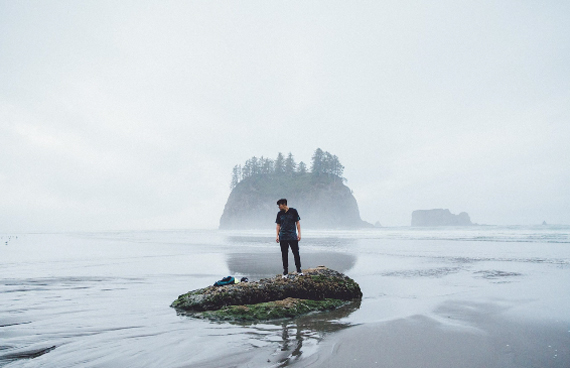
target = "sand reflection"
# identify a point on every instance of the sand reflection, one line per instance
(299, 336)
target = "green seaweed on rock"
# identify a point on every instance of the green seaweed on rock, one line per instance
(287, 308)
(320, 289)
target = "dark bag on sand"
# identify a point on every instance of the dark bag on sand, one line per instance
(225, 281)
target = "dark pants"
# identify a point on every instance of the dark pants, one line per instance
(294, 244)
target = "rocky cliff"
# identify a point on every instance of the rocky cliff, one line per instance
(323, 201)
(439, 217)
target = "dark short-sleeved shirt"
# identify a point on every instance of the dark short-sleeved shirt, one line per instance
(287, 220)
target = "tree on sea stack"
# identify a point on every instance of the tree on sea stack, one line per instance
(266, 166)
(236, 176)
(316, 165)
(326, 163)
(290, 165)
(279, 164)
(322, 163)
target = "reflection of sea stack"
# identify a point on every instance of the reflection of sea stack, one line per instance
(439, 217)
(257, 265)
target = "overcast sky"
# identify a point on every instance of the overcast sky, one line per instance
(131, 115)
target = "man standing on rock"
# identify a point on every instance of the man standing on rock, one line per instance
(287, 220)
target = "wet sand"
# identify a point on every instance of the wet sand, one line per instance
(476, 335)
(459, 334)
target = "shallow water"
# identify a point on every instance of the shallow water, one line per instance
(102, 299)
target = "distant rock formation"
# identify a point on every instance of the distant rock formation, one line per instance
(439, 217)
(544, 223)
(323, 201)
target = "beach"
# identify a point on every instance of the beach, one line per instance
(485, 339)
(437, 297)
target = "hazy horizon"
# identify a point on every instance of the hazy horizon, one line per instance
(131, 115)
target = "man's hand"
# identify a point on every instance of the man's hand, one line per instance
(277, 239)
(299, 237)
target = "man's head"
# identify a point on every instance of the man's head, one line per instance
(282, 203)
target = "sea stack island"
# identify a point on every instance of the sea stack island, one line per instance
(319, 191)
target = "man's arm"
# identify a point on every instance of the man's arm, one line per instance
(278, 228)
(298, 223)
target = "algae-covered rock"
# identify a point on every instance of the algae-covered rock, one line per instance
(286, 308)
(319, 289)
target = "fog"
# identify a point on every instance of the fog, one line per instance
(131, 115)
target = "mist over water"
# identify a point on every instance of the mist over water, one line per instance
(102, 299)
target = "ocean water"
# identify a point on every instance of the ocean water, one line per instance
(102, 299)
